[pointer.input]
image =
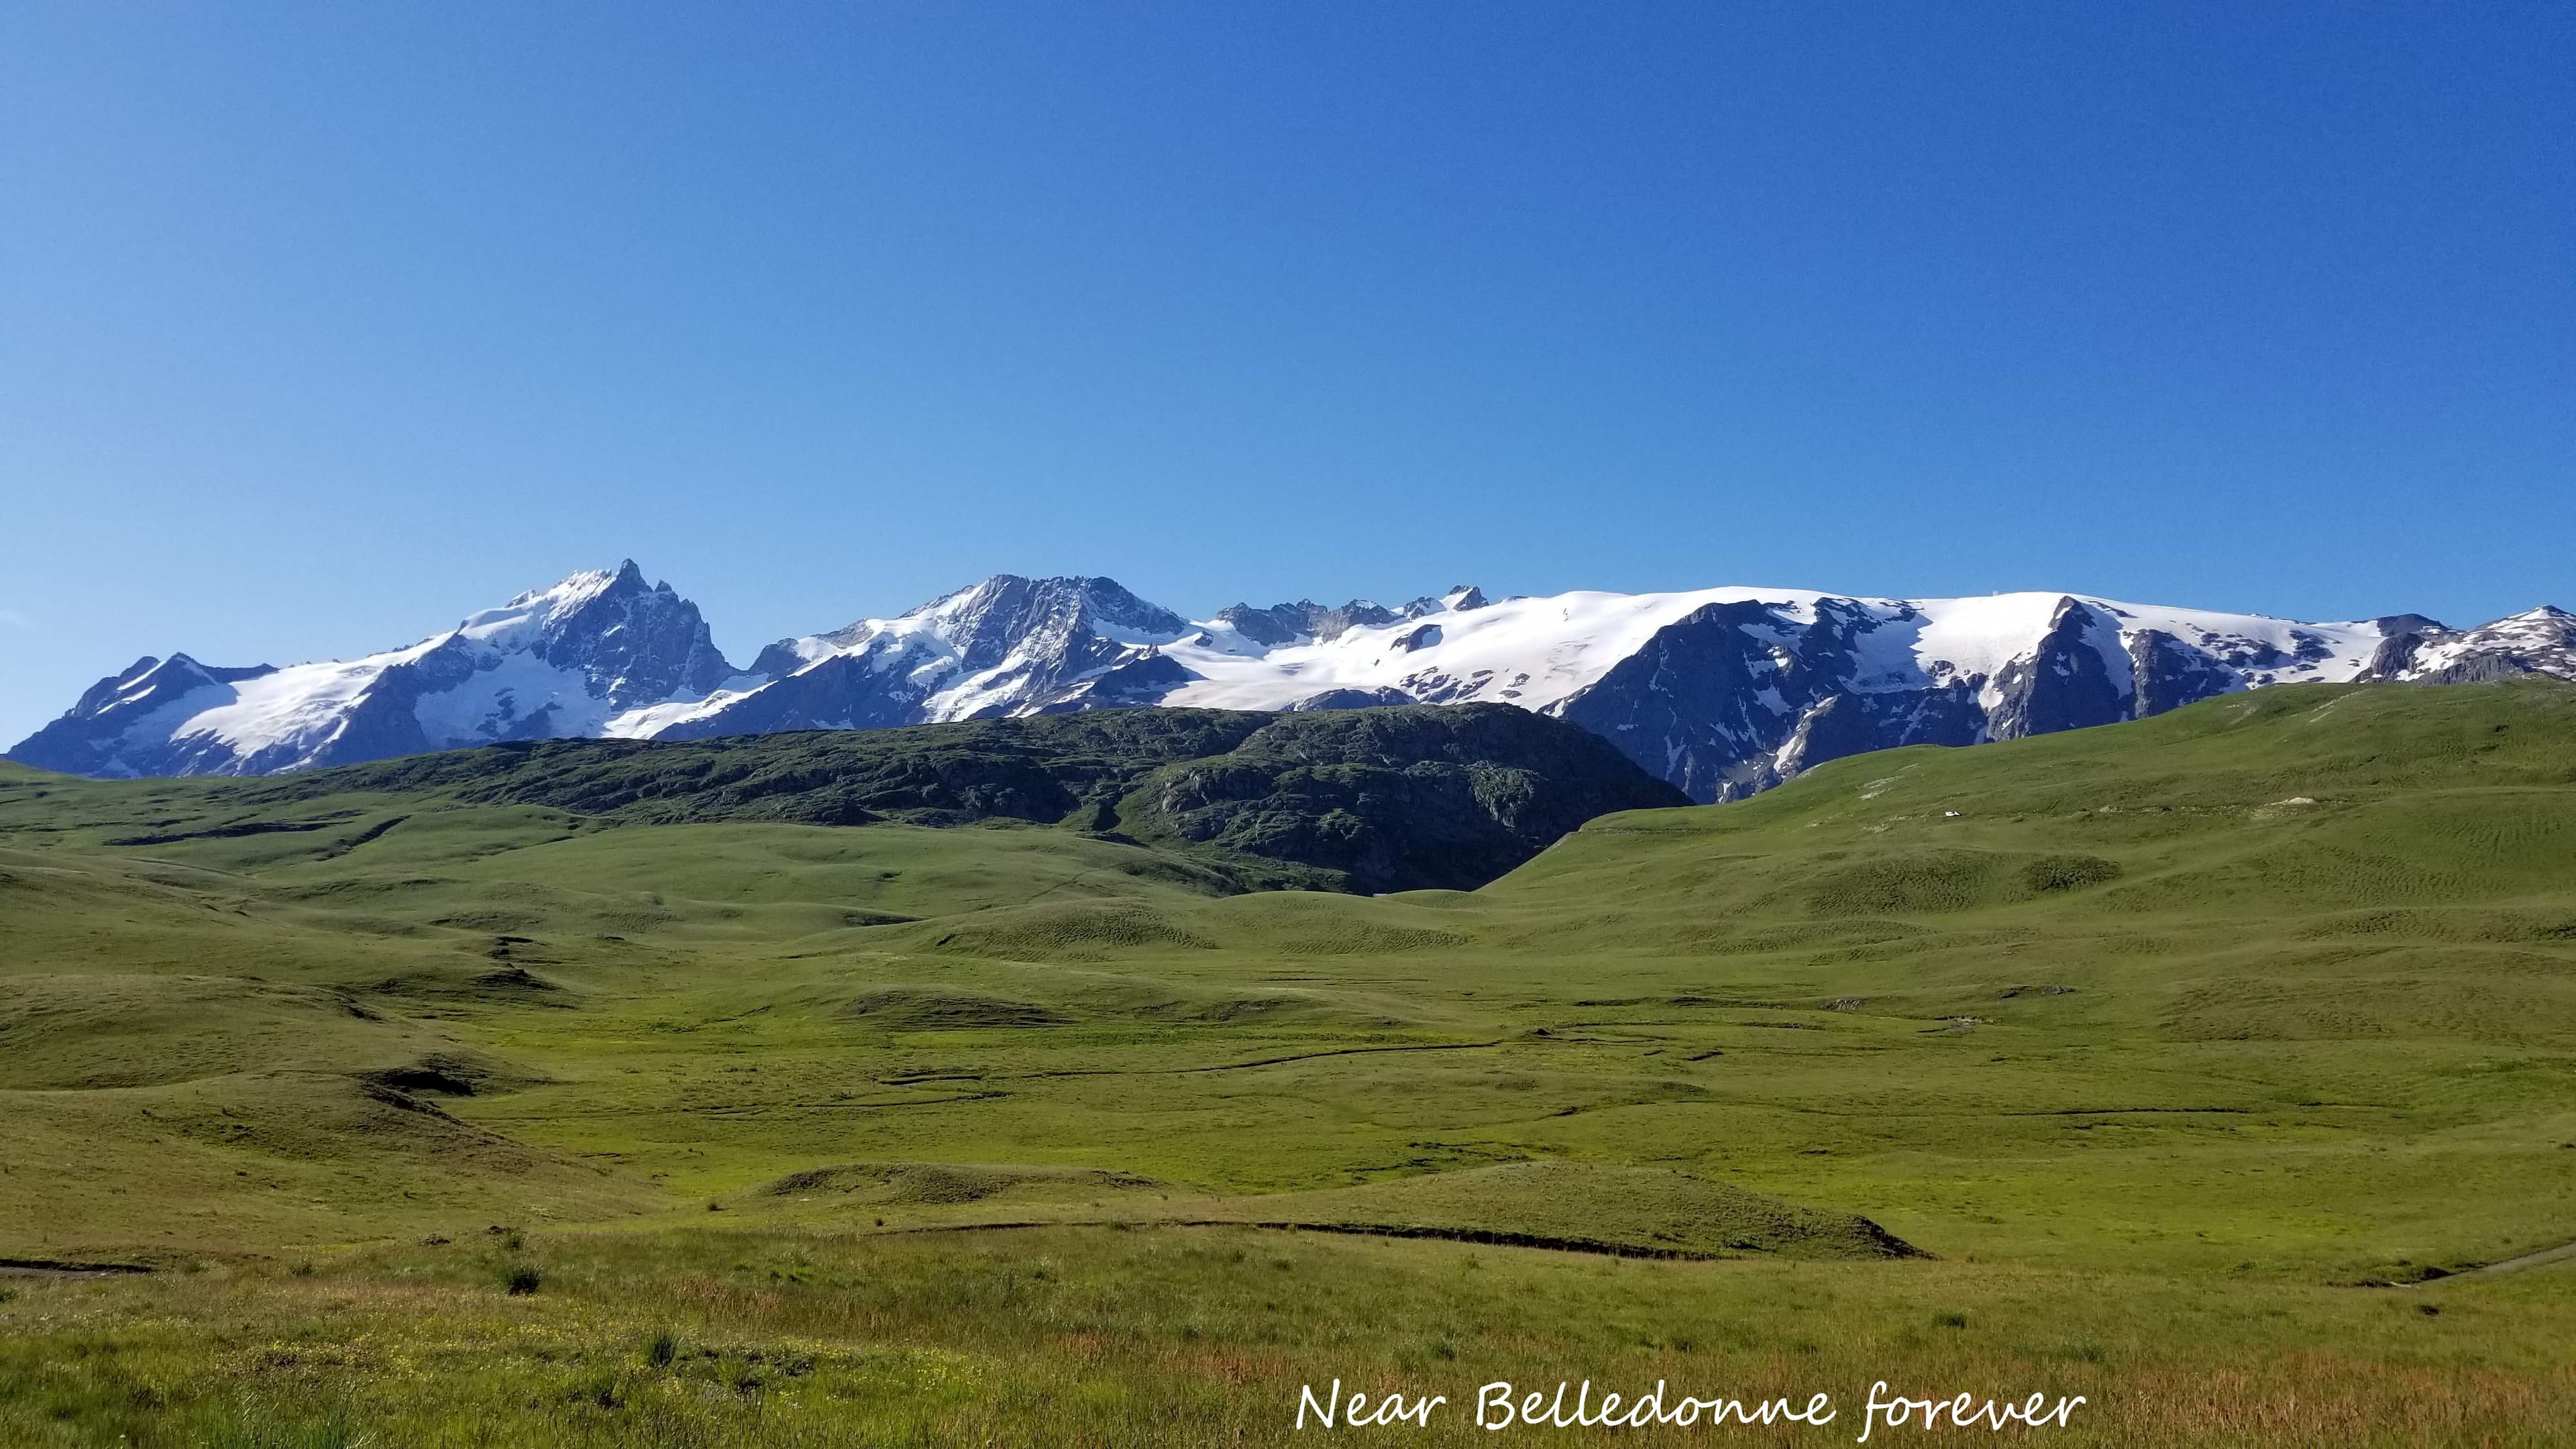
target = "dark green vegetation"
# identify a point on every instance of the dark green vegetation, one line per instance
(1388, 799)
(2162, 1038)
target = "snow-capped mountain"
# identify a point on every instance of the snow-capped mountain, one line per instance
(1011, 646)
(2541, 641)
(1006, 646)
(1721, 691)
(558, 662)
(1728, 691)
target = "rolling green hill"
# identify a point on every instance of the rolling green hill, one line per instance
(2223, 1011)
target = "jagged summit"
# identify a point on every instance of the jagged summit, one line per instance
(1719, 691)
(1307, 622)
(2536, 641)
(558, 661)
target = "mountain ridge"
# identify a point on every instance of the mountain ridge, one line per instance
(1722, 692)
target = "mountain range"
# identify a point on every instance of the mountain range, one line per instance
(1721, 692)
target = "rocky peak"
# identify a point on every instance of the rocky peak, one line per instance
(639, 644)
(1274, 626)
(1307, 622)
(991, 621)
(2535, 641)
(2078, 674)
(148, 683)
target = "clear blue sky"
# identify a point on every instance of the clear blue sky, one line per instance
(321, 325)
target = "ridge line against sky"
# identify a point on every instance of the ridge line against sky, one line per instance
(319, 327)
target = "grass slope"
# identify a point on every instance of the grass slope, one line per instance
(2157, 1036)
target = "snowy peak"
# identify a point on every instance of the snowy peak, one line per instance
(1008, 645)
(635, 644)
(560, 661)
(1007, 616)
(147, 700)
(2537, 641)
(150, 682)
(1027, 645)
(545, 610)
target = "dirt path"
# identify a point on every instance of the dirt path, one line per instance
(2560, 1254)
(1371, 1230)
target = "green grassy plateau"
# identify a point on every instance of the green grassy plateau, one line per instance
(2190, 1065)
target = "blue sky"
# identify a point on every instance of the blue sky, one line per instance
(322, 325)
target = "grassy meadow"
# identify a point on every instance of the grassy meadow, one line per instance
(2196, 1066)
